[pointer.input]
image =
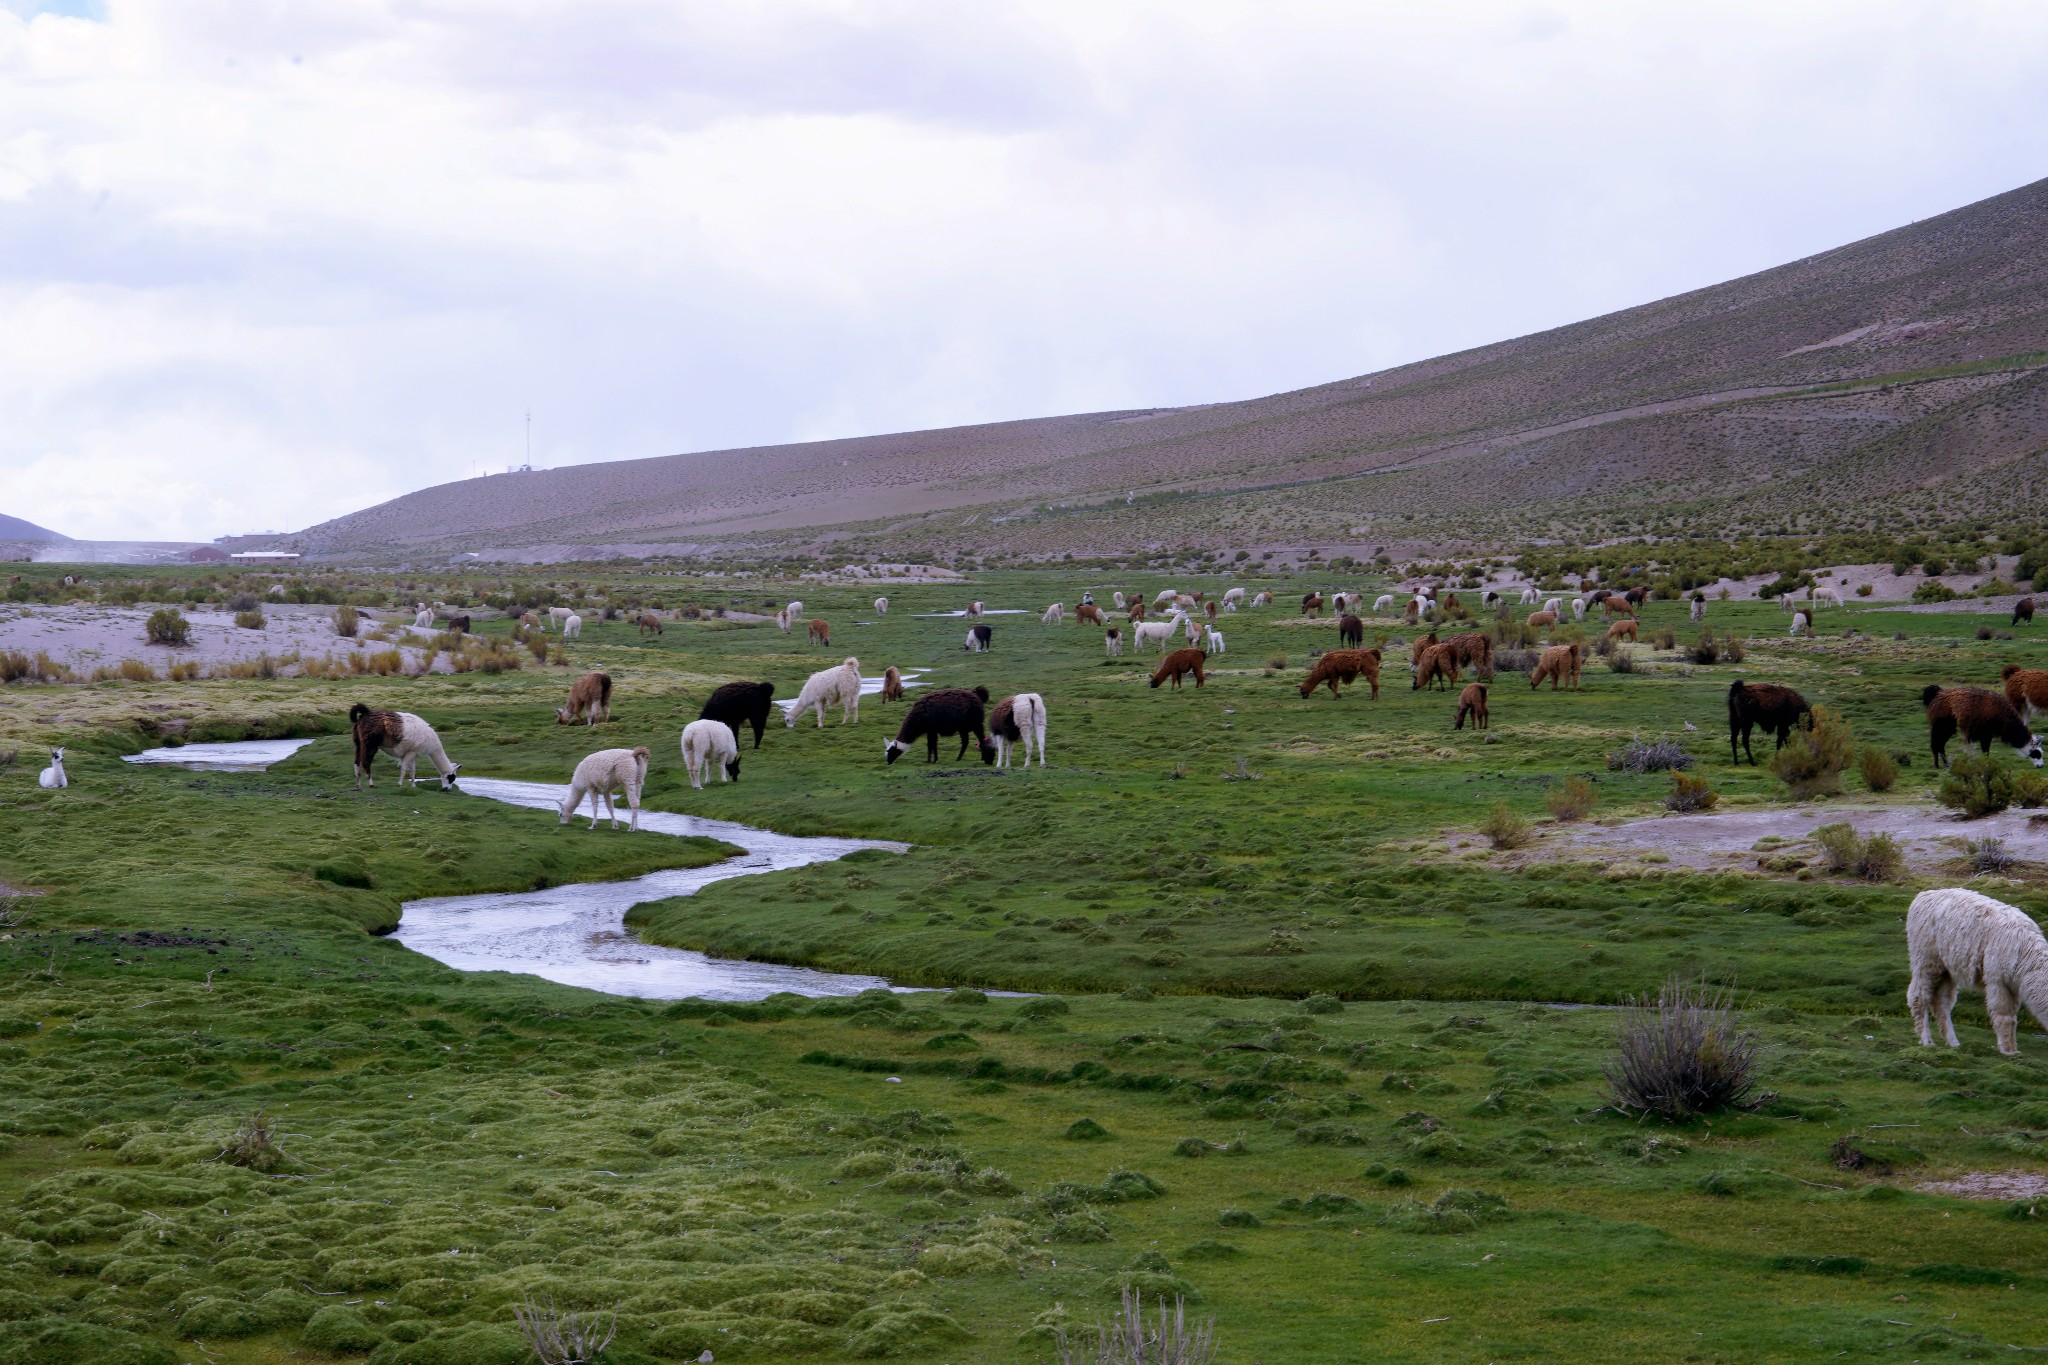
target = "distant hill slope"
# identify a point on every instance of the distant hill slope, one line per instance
(14, 528)
(1907, 367)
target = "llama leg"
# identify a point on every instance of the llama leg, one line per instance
(1944, 1009)
(633, 796)
(1920, 1000)
(593, 808)
(2003, 1007)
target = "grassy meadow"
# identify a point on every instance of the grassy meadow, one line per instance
(1297, 1046)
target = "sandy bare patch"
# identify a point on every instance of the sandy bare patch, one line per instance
(1727, 840)
(1992, 1185)
(85, 637)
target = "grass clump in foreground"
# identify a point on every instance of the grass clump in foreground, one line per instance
(1682, 1056)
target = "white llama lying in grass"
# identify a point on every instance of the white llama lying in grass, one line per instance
(1957, 938)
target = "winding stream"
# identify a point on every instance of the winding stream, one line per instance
(576, 934)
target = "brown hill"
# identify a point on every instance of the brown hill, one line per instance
(1901, 373)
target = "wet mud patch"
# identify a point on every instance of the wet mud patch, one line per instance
(1749, 840)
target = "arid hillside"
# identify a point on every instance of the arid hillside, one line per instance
(1899, 376)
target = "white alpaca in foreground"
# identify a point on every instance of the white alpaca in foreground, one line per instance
(53, 776)
(601, 774)
(1154, 633)
(709, 744)
(827, 687)
(1957, 938)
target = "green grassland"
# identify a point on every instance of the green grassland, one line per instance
(1297, 1055)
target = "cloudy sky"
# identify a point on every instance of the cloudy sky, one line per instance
(262, 264)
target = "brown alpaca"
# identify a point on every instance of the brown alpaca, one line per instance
(892, 685)
(1086, 613)
(648, 623)
(1137, 611)
(1981, 718)
(2026, 689)
(1471, 702)
(1345, 666)
(1541, 620)
(1449, 604)
(2023, 610)
(1351, 632)
(1439, 665)
(1767, 706)
(1408, 613)
(820, 633)
(1420, 646)
(1177, 663)
(1475, 651)
(1616, 605)
(1560, 664)
(1623, 629)
(590, 701)
(1312, 604)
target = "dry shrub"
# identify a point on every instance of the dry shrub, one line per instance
(17, 666)
(167, 626)
(1878, 858)
(1650, 756)
(1691, 793)
(1732, 649)
(191, 670)
(1504, 828)
(1989, 854)
(560, 1338)
(1683, 1055)
(347, 621)
(1571, 799)
(1880, 773)
(1705, 648)
(251, 619)
(1815, 754)
(1666, 638)
(254, 1145)
(1128, 1339)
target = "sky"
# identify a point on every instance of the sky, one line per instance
(262, 265)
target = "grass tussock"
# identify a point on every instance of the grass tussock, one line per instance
(1130, 1338)
(1650, 756)
(1571, 799)
(1682, 1055)
(1505, 827)
(1878, 858)
(564, 1338)
(1879, 769)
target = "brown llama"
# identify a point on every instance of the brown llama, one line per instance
(1420, 646)
(1541, 620)
(1312, 604)
(1767, 706)
(1614, 604)
(1180, 662)
(1439, 665)
(1980, 717)
(2023, 611)
(590, 701)
(1626, 628)
(1560, 664)
(2026, 689)
(892, 684)
(1351, 632)
(1472, 702)
(820, 633)
(1087, 613)
(1475, 651)
(648, 622)
(1344, 666)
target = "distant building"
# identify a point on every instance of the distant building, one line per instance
(263, 556)
(207, 554)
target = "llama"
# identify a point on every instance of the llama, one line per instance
(423, 619)
(1541, 620)
(1055, 614)
(1340, 602)
(818, 633)
(54, 777)
(650, 624)
(1350, 633)
(1087, 614)
(1209, 609)
(741, 703)
(1383, 604)
(1136, 612)
(1411, 612)
(795, 612)
(1212, 642)
(1699, 606)
(1555, 606)
(827, 687)
(942, 714)
(974, 610)
(590, 701)
(1957, 938)
(1802, 624)
(601, 774)
(2023, 611)
(1471, 703)
(1180, 662)
(1264, 599)
(1190, 627)
(1118, 598)
(1981, 718)
(709, 744)
(881, 606)
(1233, 598)
(1826, 597)
(1529, 595)
(1016, 722)
(1578, 609)
(1766, 706)
(1475, 651)
(529, 621)
(1312, 604)
(1560, 664)
(1420, 646)
(2026, 689)
(458, 625)
(572, 629)
(892, 684)
(1450, 602)
(558, 615)
(978, 639)
(1614, 604)
(406, 736)
(1164, 595)
(1153, 632)
(1345, 666)
(1439, 664)
(1785, 603)
(782, 622)
(1113, 642)
(1625, 629)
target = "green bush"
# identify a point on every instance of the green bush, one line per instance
(250, 619)
(347, 620)
(1878, 769)
(1934, 590)
(1570, 799)
(1504, 828)
(168, 626)
(1815, 754)
(1977, 785)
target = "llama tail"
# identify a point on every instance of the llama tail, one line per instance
(357, 712)
(604, 688)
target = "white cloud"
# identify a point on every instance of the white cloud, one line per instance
(261, 265)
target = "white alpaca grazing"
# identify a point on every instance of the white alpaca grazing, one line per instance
(1800, 622)
(1555, 605)
(1264, 599)
(1158, 633)
(1164, 596)
(830, 687)
(423, 619)
(53, 776)
(794, 611)
(1826, 597)
(1578, 609)
(1529, 595)
(560, 615)
(1027, 715)
(709, 744)
(1232, 598)
(1785, 602)
(572, 629)
(601, 774)
(881, 606)
(1383, 604)
(1118, 598)
(1957, 938)
(1054, 615)
(1213, 642)
(417, 739)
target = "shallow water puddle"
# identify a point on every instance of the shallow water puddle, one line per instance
(869, 687)
(985, 611)
(576, 934)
